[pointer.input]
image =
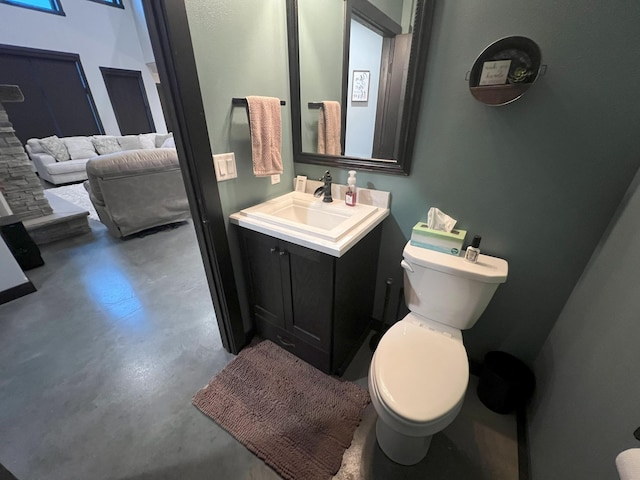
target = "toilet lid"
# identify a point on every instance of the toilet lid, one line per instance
(421, 374)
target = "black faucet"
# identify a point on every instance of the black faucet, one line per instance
(325, 189)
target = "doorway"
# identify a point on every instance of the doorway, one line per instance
(378, 48)
(168, 28)
(129, 100)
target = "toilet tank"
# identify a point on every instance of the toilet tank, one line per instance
(448, 289)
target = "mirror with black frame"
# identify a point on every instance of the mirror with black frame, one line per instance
(354, 54)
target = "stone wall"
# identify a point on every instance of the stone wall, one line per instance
(19, 184)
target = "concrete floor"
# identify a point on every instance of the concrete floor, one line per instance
(98, 367)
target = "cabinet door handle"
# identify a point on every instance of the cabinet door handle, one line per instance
(274, 249)
(282, 253)
(285, 343)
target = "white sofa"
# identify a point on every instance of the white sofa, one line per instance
(81, 149)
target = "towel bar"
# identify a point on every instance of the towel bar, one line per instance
(315, 105)
(242, 102)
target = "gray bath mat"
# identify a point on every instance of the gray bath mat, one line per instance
(294, 417)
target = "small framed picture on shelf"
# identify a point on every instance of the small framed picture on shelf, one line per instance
(495, 72)
(360, 86)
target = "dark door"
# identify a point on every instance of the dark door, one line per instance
(263, 255)
(164, 105)
(129, 100)
(393, 81)
(57, 99)
(309, 275)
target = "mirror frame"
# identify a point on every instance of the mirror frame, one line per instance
(412, 100)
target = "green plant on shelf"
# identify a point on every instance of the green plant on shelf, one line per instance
(519, 75)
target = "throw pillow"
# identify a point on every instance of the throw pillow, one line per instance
(80, 147)
(147, 140)
(161, 138)
(34, 146)
(130, 142)
(55, 147)
(105, 145)
(169, 143)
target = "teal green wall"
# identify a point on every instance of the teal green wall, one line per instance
(539, 179)
(586, 403)
(240, 50)
(392, 8)
(321, 27)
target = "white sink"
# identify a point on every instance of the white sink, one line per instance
(302, 212)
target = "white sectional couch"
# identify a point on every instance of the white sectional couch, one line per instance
(64, 160)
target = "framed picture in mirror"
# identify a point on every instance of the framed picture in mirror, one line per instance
(360, 88)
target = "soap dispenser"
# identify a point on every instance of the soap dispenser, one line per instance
(351, 194)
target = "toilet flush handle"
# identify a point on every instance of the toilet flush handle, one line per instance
(406, 266)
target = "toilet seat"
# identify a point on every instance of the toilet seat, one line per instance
(420, 374)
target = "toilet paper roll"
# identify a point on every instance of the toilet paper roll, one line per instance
(628, 464)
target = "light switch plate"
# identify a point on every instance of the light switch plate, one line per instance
(225, 166)
(275, 179)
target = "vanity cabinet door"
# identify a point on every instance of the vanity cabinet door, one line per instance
(265, 278)
(312, 304)
(309, 301)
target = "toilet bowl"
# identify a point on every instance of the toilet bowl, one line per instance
(417, 381)
(419, 372)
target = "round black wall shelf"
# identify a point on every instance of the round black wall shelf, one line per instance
(505, 70)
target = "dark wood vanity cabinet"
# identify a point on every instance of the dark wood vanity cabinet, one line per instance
(314, 305)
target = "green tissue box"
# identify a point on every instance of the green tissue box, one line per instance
(445, 242)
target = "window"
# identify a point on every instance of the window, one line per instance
(113, 3)
(50, 6)
(57, 98)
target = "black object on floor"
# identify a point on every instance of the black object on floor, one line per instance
(23, 248)
(382, 327)
(156, 229)
(506, 383)
(6, 474)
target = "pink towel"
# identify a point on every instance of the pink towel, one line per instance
(266, 131)
(329, 128)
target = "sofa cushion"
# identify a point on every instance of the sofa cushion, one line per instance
(122, 164)
(56, 148)
(130, 142)
(105, 144)
(80, 147)
(147, 140)
(35, 146)
(70, 166)
(161, 138)
(169, 143)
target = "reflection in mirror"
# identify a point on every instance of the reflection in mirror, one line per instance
(321, 32)
(383, 47)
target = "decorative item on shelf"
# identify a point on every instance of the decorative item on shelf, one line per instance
(495, 73)
(505, 70)
(519, 75)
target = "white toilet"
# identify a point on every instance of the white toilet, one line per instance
(419, 372)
